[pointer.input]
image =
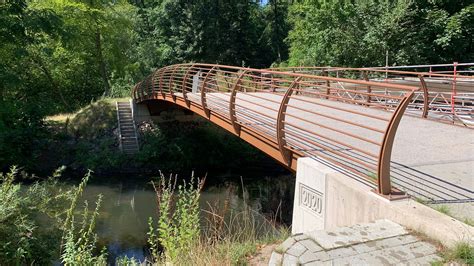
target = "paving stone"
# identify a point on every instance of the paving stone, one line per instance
(377, 243)
(296, 250)
(395, 241)
(420, 249)
(366, 247)
(341, 252)
(368, 259)
(286, 244)
(311, 245)
(357, 234)
(307, 256)
(276, 259)
(321, 256)
(319, 263)
(384, 243)
(426, 260)
(300, 237)
(289, 260)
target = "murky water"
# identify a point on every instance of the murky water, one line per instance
(128, 202)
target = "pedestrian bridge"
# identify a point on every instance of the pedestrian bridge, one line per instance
(392, 134)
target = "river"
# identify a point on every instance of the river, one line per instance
(129, 201)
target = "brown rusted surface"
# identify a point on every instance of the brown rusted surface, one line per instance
(232, 111)
(447, 96)
(285, 152)
(289, 115)
(384, 185)
(426, 98)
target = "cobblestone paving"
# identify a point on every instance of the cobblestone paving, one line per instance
(382, 242)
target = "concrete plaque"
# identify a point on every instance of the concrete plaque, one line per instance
(311, 199)
(309, 208)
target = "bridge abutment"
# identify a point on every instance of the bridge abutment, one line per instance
(162, 111)
(326, 199)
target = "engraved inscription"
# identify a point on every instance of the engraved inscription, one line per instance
(311, 199)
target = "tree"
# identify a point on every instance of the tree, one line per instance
(346, 33)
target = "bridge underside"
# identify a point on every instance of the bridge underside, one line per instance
(160, 102)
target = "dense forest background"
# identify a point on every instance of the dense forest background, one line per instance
(59, 55)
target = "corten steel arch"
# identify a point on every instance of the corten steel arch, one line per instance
(292, 117)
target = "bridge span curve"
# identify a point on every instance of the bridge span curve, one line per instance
(291, 115)
(347, 124)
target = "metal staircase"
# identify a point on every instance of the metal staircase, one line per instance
(128, 138)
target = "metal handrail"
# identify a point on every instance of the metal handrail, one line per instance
(292, 115)
(438, 99)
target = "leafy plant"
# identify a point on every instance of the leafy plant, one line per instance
(178, 218)
(22, 212)
(79, 244)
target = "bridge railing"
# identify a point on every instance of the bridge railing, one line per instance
(443, 97)
(294, 113)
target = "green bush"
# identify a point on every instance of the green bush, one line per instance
(178, 228)
(80, 243)
(22, 211)
(226, 235)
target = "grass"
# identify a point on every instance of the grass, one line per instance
(443, 209)
(225, 236)
(62, 118)
(420, 200)
(469, 221)
(462, 253)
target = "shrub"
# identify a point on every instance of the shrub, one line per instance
(22, 239)
(79, 247)
(226, 236)
(178, 218)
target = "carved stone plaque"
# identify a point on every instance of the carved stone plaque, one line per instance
(311, 199)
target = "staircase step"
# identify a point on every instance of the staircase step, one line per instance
(127, 129)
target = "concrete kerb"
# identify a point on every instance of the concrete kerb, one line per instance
(346, 202)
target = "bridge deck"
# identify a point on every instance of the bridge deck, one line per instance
(431, 160)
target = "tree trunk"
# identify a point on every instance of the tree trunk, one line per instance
(39, 61)
(101, 61)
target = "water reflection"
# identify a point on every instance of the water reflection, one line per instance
(123, 221)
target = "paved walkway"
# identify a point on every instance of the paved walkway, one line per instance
(379, 243)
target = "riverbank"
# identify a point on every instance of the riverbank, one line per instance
(236, 215)
(87, 139)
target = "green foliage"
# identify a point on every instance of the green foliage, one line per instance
(443, 209)
(462, 253)
(125, 261)
(226, 32)
(79, 244)
(343, 33)
(178, 218)
(22, 240)
(226, 236)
